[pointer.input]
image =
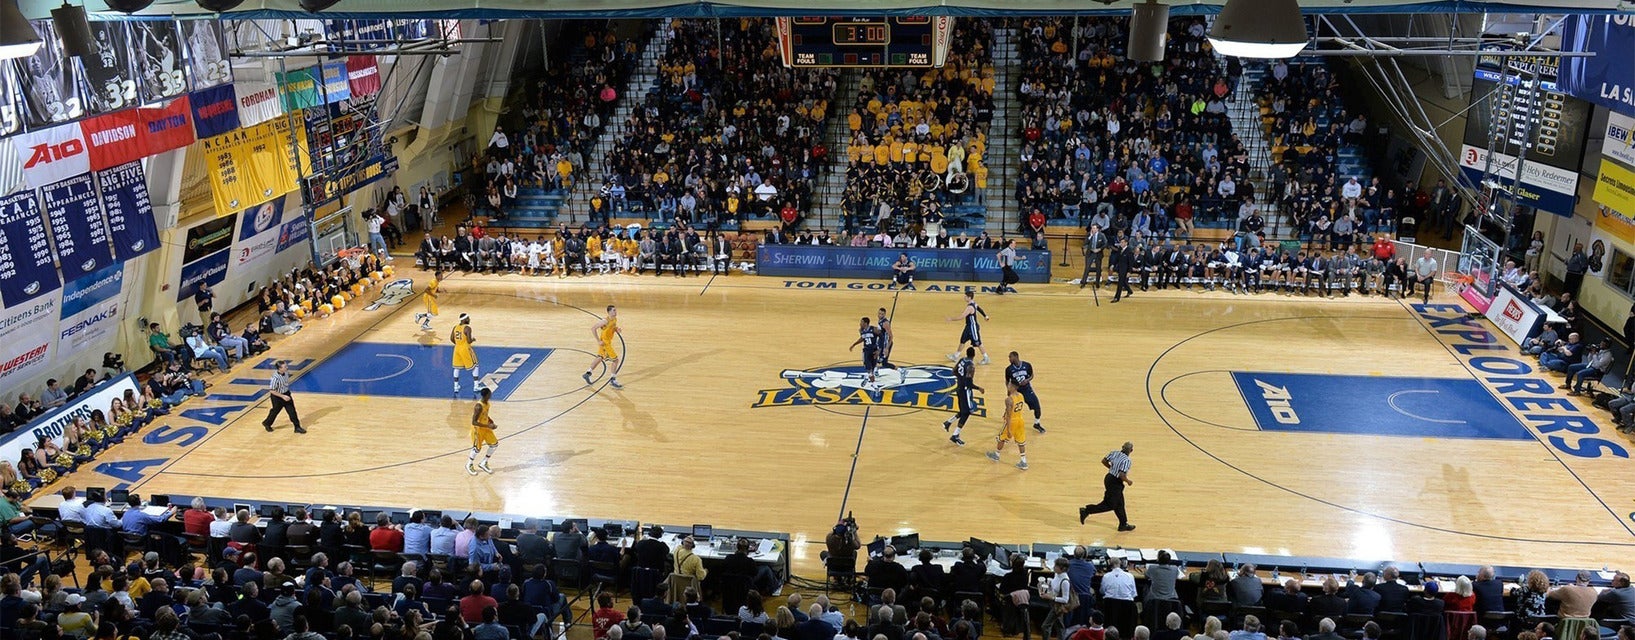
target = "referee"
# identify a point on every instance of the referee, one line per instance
(279, 389)
(1118, 475)
(1007, 266)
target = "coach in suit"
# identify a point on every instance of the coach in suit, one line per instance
(1122, 261)
(1393, 594)
(1095, 244)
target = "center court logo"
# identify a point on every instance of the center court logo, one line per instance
(393, 294)
(911, 387)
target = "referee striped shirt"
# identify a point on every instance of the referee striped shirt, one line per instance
(1120, 463)
(279, 383)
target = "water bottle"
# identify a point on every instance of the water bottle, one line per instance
(561, 632)
(1276, 575)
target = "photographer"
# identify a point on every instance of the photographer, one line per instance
(842, 542)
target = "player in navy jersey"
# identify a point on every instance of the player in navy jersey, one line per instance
(972, 334)
(1021, 373)
(882, 327)
(965, 389)
(870, 339)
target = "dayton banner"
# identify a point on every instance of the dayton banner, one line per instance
(27, 270)
(125, 203)
(90, 309)
(167, 127)
(1607, 78)
(77, 228)
(875, 262)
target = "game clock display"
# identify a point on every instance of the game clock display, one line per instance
(909, 41)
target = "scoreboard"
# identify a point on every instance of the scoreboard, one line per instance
(908, 41)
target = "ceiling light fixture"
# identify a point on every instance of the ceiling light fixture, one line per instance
(218, 6)
(73, 30)
(1259, 29)
(18, 39)
(1149, 31)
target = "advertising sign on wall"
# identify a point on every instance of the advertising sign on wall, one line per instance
(90, 308)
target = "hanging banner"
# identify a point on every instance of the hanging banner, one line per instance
(206, 65)
(363, 76)
(252, 165)
(77, 229)
(168, 127)
(114, 139)
(11, 111)
(50, 82)
(1620, 141)
(1541, 186)
(1607, 78)
(1615, 187)
(28, 339)
(337, 86)
(299, 89)
(90, 309)
(111, 72)
(258, 102)
(11, 167)
(129, 213)
(159, 59)
(215, 111)
(294, 232)
(257, 236)
(52, 154)
(358, 35)
(26, 268)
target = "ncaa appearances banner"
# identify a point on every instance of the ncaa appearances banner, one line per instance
(28, 338)
(1607, 78)
(215, 111)
(875, 262)
(1541, 186)
(253, 165)
(257, 235)
(77, 228)
(50, 426)
(27, 270)
(258, 102)
(90, 309)
(128, 210)
(1514, 314)
(52, 154)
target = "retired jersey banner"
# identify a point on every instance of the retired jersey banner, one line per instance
(336, 87)
(129, 212)
(207, 64)
(111, 72)
(258, 102)
(115, 138)
(215, 111)
(11, 110)
(52, 154)
(299, 89)
(253, 165)
(159, 59)
(77, 229)
(363, 76)
(50, 82)
(26, 268)
(168, 127)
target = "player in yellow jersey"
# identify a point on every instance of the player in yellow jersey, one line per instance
(430, 298)
(605, 331)
(465, 356)
(1012, 428)
(482, 433)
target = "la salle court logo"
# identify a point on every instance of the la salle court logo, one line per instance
(393, 294)
(910, 387)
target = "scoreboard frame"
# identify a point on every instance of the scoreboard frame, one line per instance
(870, 42)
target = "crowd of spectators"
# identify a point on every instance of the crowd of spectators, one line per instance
(1106, 139)
(563, 116)
(917, 138)
(589, 249)
(727, 132)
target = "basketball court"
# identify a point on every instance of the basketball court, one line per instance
(1354, 428)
